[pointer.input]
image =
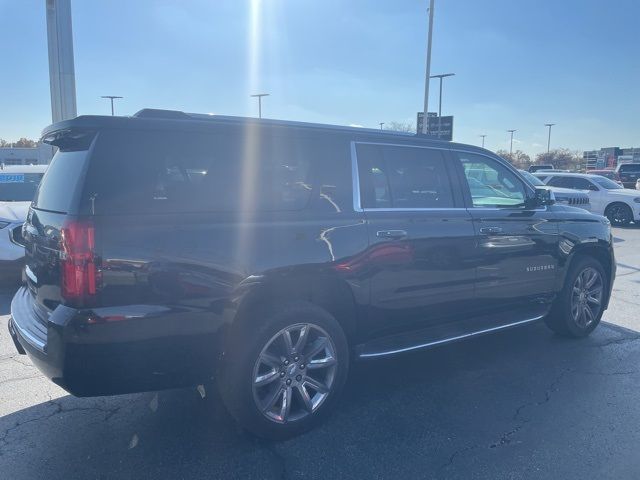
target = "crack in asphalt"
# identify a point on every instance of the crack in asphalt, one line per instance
(59, 409)
(617, 341)
(505, 438)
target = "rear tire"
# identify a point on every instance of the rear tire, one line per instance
(579, 307)
(619, 214)
(282, 375)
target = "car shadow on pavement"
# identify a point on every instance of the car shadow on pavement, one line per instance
(423, 414)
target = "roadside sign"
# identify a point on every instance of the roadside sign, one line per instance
(441, 127)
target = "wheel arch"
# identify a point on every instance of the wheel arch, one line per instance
(601, 253)
(268, 293)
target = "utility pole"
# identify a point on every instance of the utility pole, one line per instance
(511, 147)
(111, 97)
(441, 76)
(549, 138)
(259, 97)
(483, 137)
(428, 74)
(62, 77)
(381, 125)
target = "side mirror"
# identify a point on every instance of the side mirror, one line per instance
(543, 197)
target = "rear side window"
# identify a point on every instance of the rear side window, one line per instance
(575, 183)
(162, 172)
(63, 178)
(403, 177)
(631, 167)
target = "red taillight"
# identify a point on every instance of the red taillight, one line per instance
(78, 264)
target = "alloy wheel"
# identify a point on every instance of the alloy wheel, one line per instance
(294, 373)
(619, 214)
(586, 297)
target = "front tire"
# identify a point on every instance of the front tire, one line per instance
(619, 214)
(579, 307)
(281, 376)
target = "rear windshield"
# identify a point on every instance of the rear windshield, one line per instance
(161, 172)
(18, 187)
(59, 184)
(631, 167)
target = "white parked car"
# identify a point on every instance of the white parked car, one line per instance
(620, 205)
(563, 196)
(18, 185)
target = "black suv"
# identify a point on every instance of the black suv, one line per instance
(169, 249)
(628, 173)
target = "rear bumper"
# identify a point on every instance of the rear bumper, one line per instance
(110, 358)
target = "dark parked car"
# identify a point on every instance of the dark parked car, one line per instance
(629, 173)
(169, 249)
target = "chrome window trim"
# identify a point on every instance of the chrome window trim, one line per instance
(355, 178)
(357, 204)
(450, 339)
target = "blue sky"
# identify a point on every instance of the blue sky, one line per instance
(518, 64)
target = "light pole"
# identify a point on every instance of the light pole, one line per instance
(381, 125)
(259, 97)
(511, 147)
(111, 97)
(483, 137)
(428, 75)
(441, 76)
(549, 138)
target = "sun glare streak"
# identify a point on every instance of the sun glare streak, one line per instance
(251, 136)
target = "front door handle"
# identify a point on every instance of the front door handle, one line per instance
(391, 233)
(490, 230)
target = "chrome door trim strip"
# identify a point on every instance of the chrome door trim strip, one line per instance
(447, 340)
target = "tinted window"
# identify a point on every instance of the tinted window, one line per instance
(629, 167)
(19, 187)
(491, 184)
(403, 177)
(153, 172)
(60, 182)
(575, 183)
(533, 180)
(606, 183)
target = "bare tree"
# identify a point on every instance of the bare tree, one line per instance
(561, 158)
(25, 143)
(518, 159)
(407, 127)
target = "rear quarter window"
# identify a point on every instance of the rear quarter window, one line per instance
(135, 172)
(61, 182)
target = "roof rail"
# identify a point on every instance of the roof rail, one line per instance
(155, 113)
(159, 113)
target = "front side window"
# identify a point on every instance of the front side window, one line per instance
(490, 183)
(403, 177)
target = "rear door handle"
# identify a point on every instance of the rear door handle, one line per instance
(490, 230)
(391, 233)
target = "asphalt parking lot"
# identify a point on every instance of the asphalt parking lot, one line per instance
(520, 404)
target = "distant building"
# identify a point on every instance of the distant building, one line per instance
(610, 157)
(40, 155)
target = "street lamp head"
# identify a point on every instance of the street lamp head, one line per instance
(259, 95)
(442, 75)
(110, 96)
(549, 124)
